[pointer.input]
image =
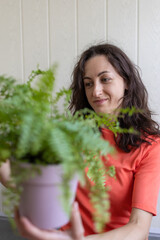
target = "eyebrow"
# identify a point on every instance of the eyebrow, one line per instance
(97, 75)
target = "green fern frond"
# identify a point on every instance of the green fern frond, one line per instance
(32, 129)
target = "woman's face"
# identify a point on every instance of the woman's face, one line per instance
(104, 87)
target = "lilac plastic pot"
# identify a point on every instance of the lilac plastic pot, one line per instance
(40, 199)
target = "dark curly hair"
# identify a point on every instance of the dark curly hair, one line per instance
(135, 96)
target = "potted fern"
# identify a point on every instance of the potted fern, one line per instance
(38, 138)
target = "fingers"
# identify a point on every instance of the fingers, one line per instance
(77, 226)
(25, 228)
(29, 231)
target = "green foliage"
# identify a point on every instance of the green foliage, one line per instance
(33, 130)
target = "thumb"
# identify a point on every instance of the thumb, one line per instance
(76, 221)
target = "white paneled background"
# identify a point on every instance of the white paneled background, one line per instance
(47, 31)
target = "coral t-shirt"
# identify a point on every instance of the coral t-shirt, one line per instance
(136, 184)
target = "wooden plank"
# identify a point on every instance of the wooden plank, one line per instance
(122, 25)
(149, 49)
(91, 22)
(63, 43)
(10, 44)
(35, 34)
(149, 62)
(10, 40)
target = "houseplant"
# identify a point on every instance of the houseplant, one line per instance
(34, 131)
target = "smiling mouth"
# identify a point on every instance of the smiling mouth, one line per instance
(100, 101)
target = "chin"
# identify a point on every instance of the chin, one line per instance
(104, 111)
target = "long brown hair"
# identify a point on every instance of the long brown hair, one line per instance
(135, 96)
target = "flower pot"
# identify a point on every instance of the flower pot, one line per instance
(40, 201)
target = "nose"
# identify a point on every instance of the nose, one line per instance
(97, 89)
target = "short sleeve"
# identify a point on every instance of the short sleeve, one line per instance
(147, 179)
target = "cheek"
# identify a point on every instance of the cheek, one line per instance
(110, 90)
(117, 91)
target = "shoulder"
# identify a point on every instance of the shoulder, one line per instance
(150, 154)
(152, 145)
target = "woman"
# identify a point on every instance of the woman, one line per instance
(105, 80)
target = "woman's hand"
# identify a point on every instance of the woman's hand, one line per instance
(29, 231)
(5, 172)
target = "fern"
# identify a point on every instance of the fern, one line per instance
(33, 130)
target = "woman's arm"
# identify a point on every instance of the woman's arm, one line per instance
(136, 229)
(5, 172)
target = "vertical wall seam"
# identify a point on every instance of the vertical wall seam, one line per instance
(76, 29)
(48, 35)
(106, 20)
(22, 38)
(137, 31)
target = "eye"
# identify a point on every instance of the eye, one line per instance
(105, 80)
(88, 84)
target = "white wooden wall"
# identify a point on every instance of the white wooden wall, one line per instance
(47, 31)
